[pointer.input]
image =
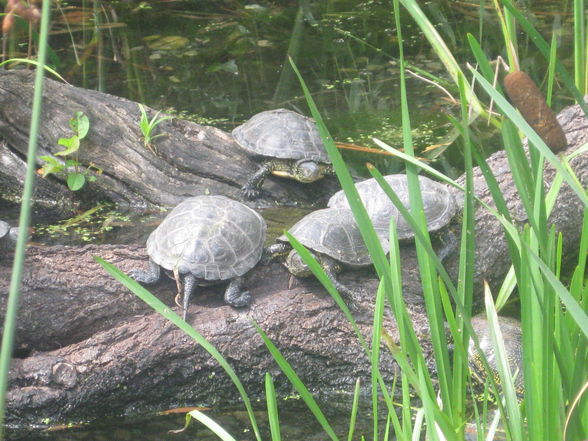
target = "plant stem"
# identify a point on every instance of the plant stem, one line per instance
(14, 293)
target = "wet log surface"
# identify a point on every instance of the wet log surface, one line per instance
(89, 348)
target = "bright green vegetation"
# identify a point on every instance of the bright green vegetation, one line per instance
(553, 314)
(148, 126)
(89, 226)
(76, 175)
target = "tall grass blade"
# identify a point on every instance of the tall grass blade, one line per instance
(36, 63)
(354, 410)
(272, 408)
(367, 231)
(573, 308)
(375, 359)
(24, 219)
(166, 312)
(305, 394)
(439, 47)
(212, 425)
(580, 58)
(506, 378)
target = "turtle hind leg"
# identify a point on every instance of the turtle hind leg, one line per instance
(152, 275)
(331, 269)
(252, 187)
(234, 294)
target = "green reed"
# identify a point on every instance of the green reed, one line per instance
(24, 219)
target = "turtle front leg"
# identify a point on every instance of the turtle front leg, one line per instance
(234, 294)
(148, 277)
(252, 187)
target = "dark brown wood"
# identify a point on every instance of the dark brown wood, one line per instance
(103, 352)
(191, 159)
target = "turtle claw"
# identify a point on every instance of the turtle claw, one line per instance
(250, 193)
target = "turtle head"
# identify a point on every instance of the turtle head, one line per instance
(307, 171)
(13, 234)
(296, 265)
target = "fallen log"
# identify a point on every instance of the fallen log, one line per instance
(117, 357)
(190, 159)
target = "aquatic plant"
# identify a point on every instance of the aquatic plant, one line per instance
(148, 126)
(75, 175)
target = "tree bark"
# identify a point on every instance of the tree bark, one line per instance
(89, 348)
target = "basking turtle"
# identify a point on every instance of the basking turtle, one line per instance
(8, 236)
(438, 202)
(511, 333)
(287, 145)
(205, 240)
(333, 236)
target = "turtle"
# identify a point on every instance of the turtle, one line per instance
(510, 328)
(205, 240)
(287, 144)
(332, 235)
(438, 202)
(8, 236)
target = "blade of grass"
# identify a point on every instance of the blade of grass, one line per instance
(439, 47)
(24, 219)
(580, 45)
(36, 63)
(166, 312)
(506, 380)
(354, 409)
(305, 394)
(367, 231)
(572, 306)
(375, 359)
(272, 408)
(212, 425)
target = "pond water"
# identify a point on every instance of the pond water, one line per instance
(220, 62)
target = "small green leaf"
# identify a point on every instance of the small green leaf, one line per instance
(71, 163)
(50, 160)
(75, 181)
(52, 165)
(48, 169)
(80, 124)
(72, 144)
(66, 142)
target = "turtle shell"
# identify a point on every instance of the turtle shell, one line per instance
(4, 229)
(282, 134)
(334, 232)
(212, 237)
(438, 202)
(510, 329)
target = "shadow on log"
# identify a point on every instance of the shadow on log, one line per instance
(90, 349)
